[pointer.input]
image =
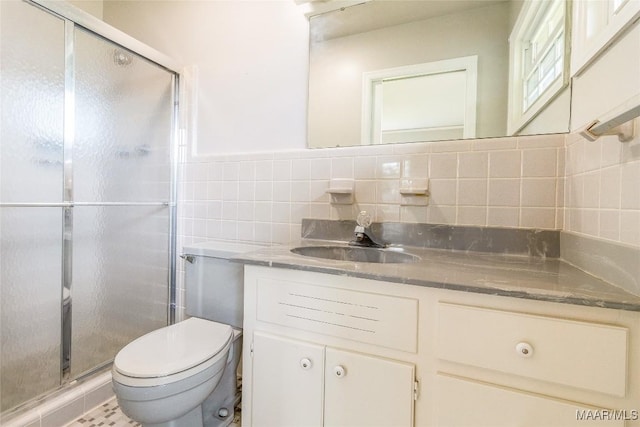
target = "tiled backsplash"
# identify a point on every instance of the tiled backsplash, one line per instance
(603, 188)
(502, 182)
(505, 182)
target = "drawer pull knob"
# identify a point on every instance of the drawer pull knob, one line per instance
(524, 349)
(339, 371)
(305, 363)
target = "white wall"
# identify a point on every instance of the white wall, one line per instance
(602, 195)
(252, 61)
(93, 7)
(503, 182)
(554, 118)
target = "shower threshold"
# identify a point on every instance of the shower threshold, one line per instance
(65, 405)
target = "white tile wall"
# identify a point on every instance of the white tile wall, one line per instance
(264, 196)
(548, 182)
(602, 188)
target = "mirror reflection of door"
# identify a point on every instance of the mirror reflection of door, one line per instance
(424, 102)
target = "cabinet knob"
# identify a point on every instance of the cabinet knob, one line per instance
(339, 371)
(524, 349)
(305, 363)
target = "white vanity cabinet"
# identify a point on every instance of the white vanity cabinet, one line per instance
(555, 351)
(465, 402)
(287, 382)
(332, 350)
(296, 383)
(326, 354)
(363, 390)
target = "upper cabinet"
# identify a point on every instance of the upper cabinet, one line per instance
(597, 24)
(605, 60)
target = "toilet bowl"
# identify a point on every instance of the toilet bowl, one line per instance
(162, 378)
(184, 375)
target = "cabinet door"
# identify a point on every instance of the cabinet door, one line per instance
(363, 390)
(287, 382)
(461, 402)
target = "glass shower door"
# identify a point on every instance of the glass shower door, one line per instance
(121, 186)
(31, 171)
(87, 199)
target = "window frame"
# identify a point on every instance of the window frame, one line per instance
(527, 24)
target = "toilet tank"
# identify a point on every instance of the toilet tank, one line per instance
(214, 285)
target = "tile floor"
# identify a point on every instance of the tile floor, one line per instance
(110, 415)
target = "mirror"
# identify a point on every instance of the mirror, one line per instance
(396, 71)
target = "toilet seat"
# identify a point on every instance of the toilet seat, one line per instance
(172, 353)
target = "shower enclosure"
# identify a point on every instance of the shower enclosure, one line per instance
(87, 195)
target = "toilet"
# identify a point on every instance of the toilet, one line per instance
(185, 375)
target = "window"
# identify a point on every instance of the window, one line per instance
(543, 55)
(537, 56)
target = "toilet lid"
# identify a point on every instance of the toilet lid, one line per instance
(173, 349)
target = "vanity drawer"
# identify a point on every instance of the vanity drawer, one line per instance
(578, 354)
(383, 320)
(488, 405)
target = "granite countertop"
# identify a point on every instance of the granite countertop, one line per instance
(544, 279)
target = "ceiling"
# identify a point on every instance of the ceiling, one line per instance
(357, 17)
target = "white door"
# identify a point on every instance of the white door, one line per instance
(287, 382)
(367, 391)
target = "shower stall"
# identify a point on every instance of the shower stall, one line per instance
(87, 195)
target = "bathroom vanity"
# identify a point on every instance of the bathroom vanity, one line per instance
(457, 338)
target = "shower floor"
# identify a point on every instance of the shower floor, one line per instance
(110, 415)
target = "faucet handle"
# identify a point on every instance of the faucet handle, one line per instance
(364, 219)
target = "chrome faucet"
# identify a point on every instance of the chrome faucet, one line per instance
(363, 235)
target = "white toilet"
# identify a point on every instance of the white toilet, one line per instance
(184, 375)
